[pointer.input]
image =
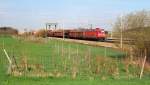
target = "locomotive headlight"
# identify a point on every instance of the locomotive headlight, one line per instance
(102, 31)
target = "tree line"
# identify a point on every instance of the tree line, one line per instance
(8, 31)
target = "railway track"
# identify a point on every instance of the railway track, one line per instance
(86, 42)
(112, 40)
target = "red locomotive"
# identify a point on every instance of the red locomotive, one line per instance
(90, 34)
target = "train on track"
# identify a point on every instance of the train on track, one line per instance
(86, 34)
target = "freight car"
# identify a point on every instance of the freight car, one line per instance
(87, 34)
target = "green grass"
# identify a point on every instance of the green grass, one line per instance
(55, 81)
(42, 53)
(45, 53)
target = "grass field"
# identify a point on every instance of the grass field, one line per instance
(55, 55)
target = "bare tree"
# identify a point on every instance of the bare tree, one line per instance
(136, 29)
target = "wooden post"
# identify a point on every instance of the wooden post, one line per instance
(7, 56)
(58, 49)
(10, 62)
(63, 34)
(121, 36)
(3, 44)
(105, 52)
(63, 31)
(89, 59)
(46, 33)
(131, 54)
(69, 51)
(142, 69)
(62, 49)
(77, 50)
(111, 34)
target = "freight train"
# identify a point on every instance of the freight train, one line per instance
(86, 34)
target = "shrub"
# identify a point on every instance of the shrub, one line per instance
(8, 31)
(41, 33)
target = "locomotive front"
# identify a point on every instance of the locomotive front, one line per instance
(101, 35)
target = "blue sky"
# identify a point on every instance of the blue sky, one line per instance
(33, 14)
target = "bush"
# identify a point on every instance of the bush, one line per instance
(41, 33)
(8, 31)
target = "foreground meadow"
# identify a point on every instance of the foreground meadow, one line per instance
(55, 62)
